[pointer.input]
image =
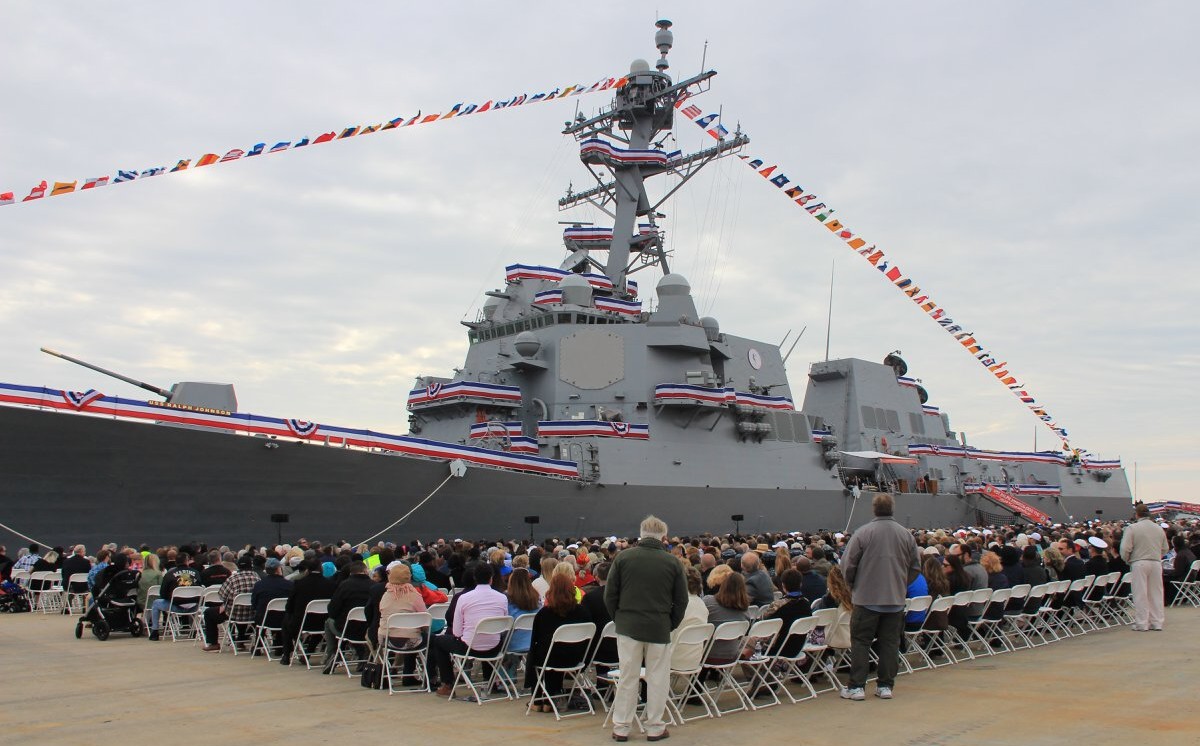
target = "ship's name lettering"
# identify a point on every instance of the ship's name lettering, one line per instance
(187, 408)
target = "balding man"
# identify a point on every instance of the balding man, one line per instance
(1143, 546)
(646, 596)
(758, 583)
(76, 563)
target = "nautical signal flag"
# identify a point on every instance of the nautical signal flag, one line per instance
(63, 187)
(7, 198)
(37, 192)
(207, 159)
(99, 181)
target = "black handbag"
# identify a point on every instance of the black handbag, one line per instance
(372, 676)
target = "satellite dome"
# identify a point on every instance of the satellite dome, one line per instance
(490, 305)
(576, 290)
(639, 66)
(712, 329)
(527, 344)
(674, 284)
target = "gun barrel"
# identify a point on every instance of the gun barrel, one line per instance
(140, 384)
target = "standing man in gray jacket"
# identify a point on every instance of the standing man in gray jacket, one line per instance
(646, 596)
(1143, 546)
(879, 563)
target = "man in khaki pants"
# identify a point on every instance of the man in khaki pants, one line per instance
(1143, 547)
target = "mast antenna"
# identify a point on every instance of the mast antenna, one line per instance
(829, 320)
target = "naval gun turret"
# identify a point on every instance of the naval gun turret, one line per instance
(198, 394)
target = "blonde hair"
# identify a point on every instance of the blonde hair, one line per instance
(718, 575)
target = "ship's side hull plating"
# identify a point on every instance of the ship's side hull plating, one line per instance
(80, 479)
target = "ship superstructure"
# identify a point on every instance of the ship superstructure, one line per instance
(586, 400)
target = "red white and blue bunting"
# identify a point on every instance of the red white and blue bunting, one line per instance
(690, 393)
(183, 164)
(931, 410)
(1042, 457)
(823, 213)
(618, 306)
(1174, 506)
(517, 272)
(237, 422)
(592, 429)
(460, 392)
(603, 153)
(510, 432)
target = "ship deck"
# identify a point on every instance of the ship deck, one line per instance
(64, 690)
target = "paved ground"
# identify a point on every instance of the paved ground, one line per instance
(62, 690)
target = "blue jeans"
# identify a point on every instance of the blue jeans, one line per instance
(158, 607)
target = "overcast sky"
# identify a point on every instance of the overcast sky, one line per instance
(1032, 165)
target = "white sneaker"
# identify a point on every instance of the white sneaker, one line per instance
(884, 692)
(855, 693)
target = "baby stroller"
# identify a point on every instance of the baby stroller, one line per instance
(13, 598)
(115, 608)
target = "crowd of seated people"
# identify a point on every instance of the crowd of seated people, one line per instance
(779, 575)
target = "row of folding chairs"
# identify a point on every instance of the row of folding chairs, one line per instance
(1011, 619)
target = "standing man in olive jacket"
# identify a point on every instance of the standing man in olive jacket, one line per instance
(646, 596)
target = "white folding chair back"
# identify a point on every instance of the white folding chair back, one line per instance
(269, 632)
(312, 627)
(788, 667)
(46, 588)
(685, 682)
(246, 628)
(390, 654)
(726, 632)
(580, 636)
(77, 592)
(178, 618)
(463, 662)
(1187, 591)
(761, 680)
(353, 635)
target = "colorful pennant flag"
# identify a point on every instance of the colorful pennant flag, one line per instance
(62, 187)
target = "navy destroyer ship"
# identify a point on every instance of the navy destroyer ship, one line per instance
(585, 402)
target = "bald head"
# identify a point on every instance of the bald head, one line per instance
(803, 564)
(750, 562)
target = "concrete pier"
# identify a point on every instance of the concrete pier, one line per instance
(1109, 687)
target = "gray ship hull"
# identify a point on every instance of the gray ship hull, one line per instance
(82, 479)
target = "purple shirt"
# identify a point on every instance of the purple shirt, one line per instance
(479, 603)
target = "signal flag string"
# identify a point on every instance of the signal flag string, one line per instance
(59, 188)
(823, 213)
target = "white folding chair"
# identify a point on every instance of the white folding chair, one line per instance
(760, 679)
(1117, 599)
(1187, 591)
(438, 611)
(77, 592)
(984, 627)
(46, 585)
(821, 654)
(352, 637)
(268, 633)
(726, 632)
(514, 659)
(21, 578)
(394, 656)
(1009, 626)
(963, 601)
(463, 662)
(692, 643)
(151, 597)
(603, 667)
(915, 605)
(579, 637)
(239, 632)
(790, 667)
(1094, 603)
(312, 626)
(184, 611)
(937, 642)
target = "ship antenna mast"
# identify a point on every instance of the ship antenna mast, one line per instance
(643, 107)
